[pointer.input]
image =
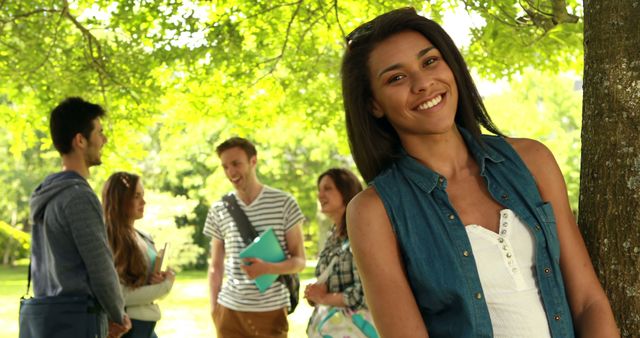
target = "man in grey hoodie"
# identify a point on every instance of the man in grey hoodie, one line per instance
(70, 253)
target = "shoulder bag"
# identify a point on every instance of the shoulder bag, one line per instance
(335, 322)
(58, 316)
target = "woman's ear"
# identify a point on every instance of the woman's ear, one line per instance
(378, 112)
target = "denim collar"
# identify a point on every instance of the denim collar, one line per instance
(428, 179)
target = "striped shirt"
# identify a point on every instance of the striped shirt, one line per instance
(271, 209)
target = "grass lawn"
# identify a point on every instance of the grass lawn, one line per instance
(185, 311)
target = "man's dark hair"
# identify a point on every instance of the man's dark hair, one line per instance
(72, 116)
(239, 142)
(373, 141)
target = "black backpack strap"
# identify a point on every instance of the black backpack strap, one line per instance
(28, 280)
(247, 231)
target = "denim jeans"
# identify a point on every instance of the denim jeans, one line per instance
(141, 329)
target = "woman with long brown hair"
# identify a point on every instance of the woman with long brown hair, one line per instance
(338, 290)
(134, 253)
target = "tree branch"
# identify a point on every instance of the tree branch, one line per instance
(311, 25)
(27, 14)
(95, 55)
(560, 13)
(269, 9)
(53, 44)
(279, 57)
(335, 6)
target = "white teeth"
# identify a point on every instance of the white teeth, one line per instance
(430, 103)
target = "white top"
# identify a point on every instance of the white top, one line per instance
(139, 302)
(272, 208)
(506, 265)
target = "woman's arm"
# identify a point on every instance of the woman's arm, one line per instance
(377, 255)
(318, 294)
(146, 294)
(590, 308)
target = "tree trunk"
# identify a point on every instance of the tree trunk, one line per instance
(610, 170)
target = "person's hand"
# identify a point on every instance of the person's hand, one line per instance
(315, 293)
(213, 311)
(170, 275)
(157, 277)
(116, 330)
(254, 267)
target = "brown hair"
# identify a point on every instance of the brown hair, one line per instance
(117, 198)
(348, 185)
(239, 142)
(374, 142)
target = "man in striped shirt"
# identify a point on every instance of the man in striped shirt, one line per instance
(238, 308)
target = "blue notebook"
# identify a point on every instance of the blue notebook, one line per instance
(267, 248)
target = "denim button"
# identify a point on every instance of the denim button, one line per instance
(547, 270)
(452, 217)
(465, 253)
(556, 317)
(478, 295)
(505, 196)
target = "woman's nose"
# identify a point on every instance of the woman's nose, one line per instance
(421, 81)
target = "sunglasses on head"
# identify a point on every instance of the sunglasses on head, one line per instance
(358, 33)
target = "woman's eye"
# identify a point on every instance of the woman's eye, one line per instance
(430, 61)
(395, 78)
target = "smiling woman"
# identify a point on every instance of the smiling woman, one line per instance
(412, 86)
(337, 293)
(459, 234)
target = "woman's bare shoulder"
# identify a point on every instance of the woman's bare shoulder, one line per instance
(367, 209)
(534, 153)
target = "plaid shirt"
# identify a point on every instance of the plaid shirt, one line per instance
(344, 278)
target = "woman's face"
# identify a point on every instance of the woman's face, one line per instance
(330, 198)
(137, 204)
(413, 87)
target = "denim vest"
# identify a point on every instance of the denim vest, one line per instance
(436, 250)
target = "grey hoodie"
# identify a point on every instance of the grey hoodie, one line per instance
(70, 254)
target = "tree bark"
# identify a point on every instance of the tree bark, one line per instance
(610, 170)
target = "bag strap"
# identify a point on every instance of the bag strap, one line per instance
(28, 280)
(357, 319)
(247, 231)
(363, 324)
(332, 311)
(327, 270)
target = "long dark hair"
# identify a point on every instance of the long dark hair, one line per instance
(117, 198)
(374, 142)
(348, 185)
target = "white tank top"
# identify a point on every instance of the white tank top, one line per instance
(506, 265)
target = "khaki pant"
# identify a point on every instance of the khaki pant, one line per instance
(238, 324)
